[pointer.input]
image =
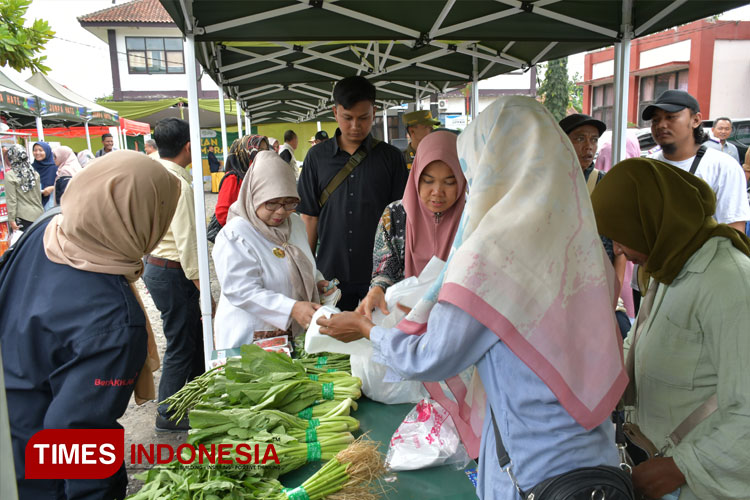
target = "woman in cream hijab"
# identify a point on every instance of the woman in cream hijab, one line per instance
(269, 283)
(74, 335)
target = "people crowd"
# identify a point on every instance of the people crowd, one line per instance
(541, 242)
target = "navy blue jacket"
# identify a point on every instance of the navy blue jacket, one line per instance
(72, 343)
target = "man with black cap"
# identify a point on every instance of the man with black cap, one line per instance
(320, 136)
(676, 126)
(418, 125)
(584, 132)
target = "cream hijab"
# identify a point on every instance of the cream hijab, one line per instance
(113, 213)
(527, 262)
(66, 161)
(271, 178)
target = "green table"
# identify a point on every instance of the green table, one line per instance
(381, 421)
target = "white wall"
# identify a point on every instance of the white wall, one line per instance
(142, 82)
(603, 69)
(729, 80)
(679, 51)
(519, 81)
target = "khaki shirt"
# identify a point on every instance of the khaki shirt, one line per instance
(694, 344)
(26, 206)
(180, 243)
(409, 153)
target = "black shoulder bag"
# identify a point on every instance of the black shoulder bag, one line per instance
(339, 178)
(586, 483)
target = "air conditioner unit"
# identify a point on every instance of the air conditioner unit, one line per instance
(442, 104)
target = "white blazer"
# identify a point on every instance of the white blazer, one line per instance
(255, 284)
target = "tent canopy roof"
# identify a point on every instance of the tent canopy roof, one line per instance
(297, 49)
(99, 114)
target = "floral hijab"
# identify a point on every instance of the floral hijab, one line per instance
(19, 163)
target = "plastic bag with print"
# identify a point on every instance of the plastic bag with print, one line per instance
(426, 438)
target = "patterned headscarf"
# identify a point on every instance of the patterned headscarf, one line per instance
(242, 154)
(19, 163)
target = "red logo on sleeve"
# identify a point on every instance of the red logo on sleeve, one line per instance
(74, 453)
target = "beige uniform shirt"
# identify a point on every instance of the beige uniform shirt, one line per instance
(180, 243)
(26, 206)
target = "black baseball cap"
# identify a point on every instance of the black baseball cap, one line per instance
(321, 135)
(572, 122)
(671, 101)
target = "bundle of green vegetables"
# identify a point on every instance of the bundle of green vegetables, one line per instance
(352, 474)
(264, 380)
(209, 425)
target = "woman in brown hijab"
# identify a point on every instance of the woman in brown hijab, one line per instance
(73, 332)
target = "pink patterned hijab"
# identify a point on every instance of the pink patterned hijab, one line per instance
(528, 263)
(426, 234)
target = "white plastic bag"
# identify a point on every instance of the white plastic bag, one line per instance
(372, 375)
(426, 438)
(317, 342)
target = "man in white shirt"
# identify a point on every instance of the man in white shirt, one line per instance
(676, 126)
(286, 151)
(717, 139)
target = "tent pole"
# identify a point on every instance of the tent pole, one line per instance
(622, 80)
(88, 138)
(319, 127)
(223, 118)
(122, 139)
(248, 127)
(417, 104)
(385, 123)
(39, 128)
(474, 87)
(200, 207)
(239, 120)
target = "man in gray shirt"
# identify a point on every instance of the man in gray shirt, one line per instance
(717, 140)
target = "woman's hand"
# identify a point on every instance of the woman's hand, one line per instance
(48, 190)
(656, 477)
(322, 284)
(374, 298)
(302, 312)
(13, 226)
(346, 326)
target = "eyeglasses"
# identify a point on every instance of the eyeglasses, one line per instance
(273, 205)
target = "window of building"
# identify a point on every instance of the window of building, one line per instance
(652, 87)
(602, 103)
(154, 55)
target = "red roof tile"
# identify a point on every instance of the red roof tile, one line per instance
(137, 11)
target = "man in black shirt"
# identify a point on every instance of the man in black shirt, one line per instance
(347, 221)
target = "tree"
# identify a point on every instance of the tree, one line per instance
(554, 88)
(576, 93)
(20, 45)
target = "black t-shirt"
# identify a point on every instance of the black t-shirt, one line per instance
(349, 219)
(213, 162)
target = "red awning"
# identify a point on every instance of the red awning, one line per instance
(132, 127)
(65, 131)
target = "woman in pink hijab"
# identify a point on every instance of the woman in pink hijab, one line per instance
(67, 166)
(422, 224)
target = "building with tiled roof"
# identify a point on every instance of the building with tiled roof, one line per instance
(146, 52)
(135, 11)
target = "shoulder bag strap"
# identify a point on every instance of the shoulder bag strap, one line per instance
(696, 417)
(698, 155)
(503, 458)
(339, 178)
(46, 215)
(592, 180)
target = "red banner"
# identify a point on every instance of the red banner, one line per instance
(132, 127)
(74, 453)
(66, 131)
